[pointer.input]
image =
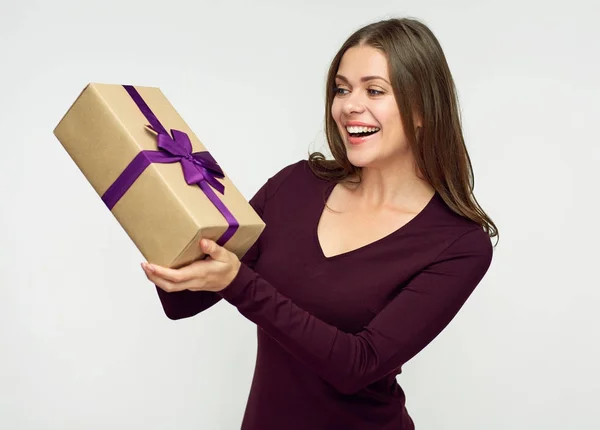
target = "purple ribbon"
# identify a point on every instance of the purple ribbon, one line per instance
(199, 168)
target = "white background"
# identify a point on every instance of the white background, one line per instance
(83, 340)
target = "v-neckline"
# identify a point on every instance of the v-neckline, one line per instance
(321, 207)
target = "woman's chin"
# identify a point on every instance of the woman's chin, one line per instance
(360, 159)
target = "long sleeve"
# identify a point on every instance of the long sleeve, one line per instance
(186, 303)
(408, 323)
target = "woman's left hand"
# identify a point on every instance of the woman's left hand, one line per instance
(214, 273)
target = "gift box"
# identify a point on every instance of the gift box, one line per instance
(154, 174)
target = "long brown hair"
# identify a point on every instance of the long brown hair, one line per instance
(422, 84)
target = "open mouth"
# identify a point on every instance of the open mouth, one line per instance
(361, 131)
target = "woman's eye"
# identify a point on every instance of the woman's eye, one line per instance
(344, 91)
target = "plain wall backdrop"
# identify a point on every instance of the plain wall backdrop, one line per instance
(84, 343)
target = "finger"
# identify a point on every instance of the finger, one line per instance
(172, 275)
(168, 285)
(161, 283)
(215, 251)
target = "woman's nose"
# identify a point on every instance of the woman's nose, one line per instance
(353, 103)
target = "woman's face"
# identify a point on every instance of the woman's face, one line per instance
(365, 109)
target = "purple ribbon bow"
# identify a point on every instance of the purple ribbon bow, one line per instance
(199, 168)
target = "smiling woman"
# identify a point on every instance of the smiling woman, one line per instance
(365, 258)
(365, 102)
(396, 72)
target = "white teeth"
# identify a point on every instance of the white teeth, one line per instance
(354, 129)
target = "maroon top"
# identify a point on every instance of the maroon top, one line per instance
(334, 332)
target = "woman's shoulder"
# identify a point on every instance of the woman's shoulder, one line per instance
(297, 174)
(452, 230)
(298, 167)
(293, 168)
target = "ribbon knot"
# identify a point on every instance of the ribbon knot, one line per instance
(199, 168)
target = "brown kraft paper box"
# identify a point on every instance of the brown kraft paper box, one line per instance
(105, 130)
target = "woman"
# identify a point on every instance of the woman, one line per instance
(366, 258)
